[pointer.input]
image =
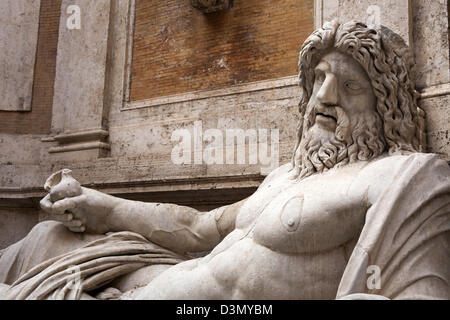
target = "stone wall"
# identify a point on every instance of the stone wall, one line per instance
(18, 40)
(120, 143)
(431, 52)
(38, 119)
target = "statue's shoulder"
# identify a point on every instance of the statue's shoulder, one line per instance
(282, 172)
(380, 173)
(393, 163)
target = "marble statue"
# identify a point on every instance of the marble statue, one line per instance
(361, 212)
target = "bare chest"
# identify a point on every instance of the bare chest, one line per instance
(315, 215)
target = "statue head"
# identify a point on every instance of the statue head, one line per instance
(358, 98)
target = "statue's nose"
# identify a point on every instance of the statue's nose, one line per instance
(328, 94)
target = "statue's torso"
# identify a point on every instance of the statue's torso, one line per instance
(292, 238)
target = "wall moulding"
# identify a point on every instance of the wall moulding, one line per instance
(228, 182)
(84, 140)
(80, 146)
(130, 17)
(198, 95)
(435, 91)
(292, 81)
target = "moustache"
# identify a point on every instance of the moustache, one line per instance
(335, 112)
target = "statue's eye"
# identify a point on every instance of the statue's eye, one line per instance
(353, 86)
(320, 77)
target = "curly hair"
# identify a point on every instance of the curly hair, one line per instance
(390, 66)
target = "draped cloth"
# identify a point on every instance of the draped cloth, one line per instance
(92, 266)
(406, 236)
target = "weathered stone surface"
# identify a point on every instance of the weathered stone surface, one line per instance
(18, 39)
(330, 11)
(38, 120)
(438, 118)
(431, 42)
(15, 223)
(149, 131)
(81, 66)
(20, 149)
(81, 81)
(394, 14)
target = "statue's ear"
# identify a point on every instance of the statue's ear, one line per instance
(55, 178)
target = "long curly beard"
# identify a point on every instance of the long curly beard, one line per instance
(358, 138)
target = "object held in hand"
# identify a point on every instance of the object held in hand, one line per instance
(62, 185)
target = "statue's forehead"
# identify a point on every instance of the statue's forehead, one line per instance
(343, 64)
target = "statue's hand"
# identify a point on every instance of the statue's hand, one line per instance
(79, 209)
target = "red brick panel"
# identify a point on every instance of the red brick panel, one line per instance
(178, 49)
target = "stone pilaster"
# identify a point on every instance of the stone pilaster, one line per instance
(80, 109)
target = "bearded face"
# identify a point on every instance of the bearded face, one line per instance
(340, 124)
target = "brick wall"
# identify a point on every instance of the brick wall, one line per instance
(179, 49)
(38, 120)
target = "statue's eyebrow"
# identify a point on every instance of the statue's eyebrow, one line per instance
(322, 66)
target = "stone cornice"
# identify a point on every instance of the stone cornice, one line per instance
(82, 140)
(435, 91)
(198, 95)
(159, 185)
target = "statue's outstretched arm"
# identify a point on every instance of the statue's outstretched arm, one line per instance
(179, 228)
